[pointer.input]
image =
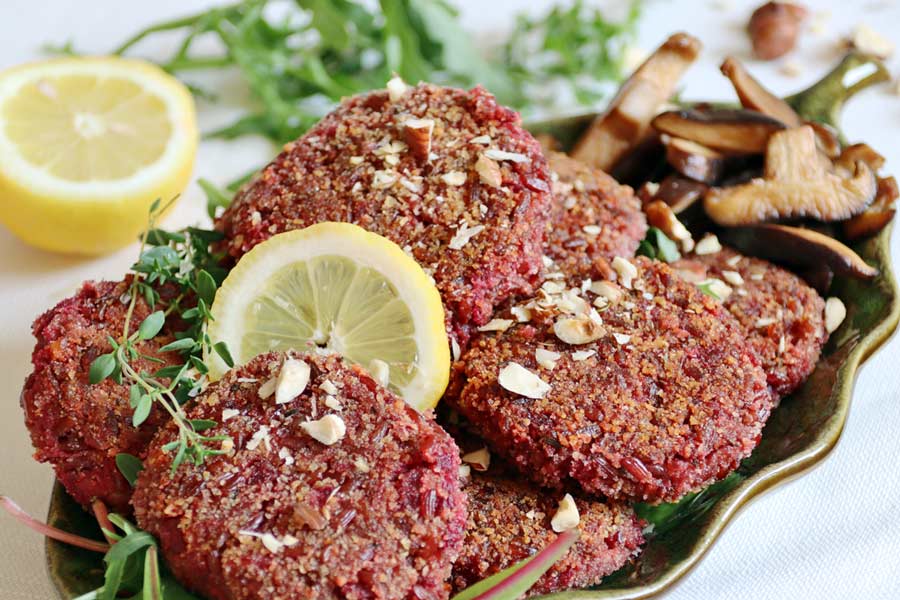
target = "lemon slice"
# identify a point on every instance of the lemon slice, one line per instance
(336, 287)
(86, 145)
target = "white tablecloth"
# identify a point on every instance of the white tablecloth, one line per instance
(832, 534)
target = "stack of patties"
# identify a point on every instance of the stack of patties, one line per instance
(593, 378)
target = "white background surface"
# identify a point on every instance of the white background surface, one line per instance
(832, 534)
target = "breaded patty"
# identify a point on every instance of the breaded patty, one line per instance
(783, 318)
(366, 504)
(471, 205)
(509, 520)
(653, 393)
(78, 427)
(593, 220)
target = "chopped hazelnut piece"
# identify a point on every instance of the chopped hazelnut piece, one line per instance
(396, 88)
(260, 436)
(230, 413)
(608, 290)
(546, 358)
(521, 313)
(380, 371)
(327, 430)
(592, 229)
(580, 355)
(578, 330)
(418, 134)
(716, 288)
(733, 277)
(566, 516)
(479, 459)
(489, 171)
(463, 234)
(292, 380)
(519, 380)
(765, 322)
(626, 271)
(267, 388)
(835, 313)
(622, 338)
(328, 387)
(503, 155)
(383, 179)
(333, 403)
(454, 178)
(285, 455)
(708, 245)
(496, 325)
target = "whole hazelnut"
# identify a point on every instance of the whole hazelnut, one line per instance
(774, 27)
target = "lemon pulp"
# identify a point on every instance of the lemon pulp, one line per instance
(86, 145)
(334, 287)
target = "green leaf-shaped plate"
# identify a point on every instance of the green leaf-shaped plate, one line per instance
(799, 434)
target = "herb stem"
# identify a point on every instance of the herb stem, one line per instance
(51, 532)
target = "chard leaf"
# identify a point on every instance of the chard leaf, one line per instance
(511, 583)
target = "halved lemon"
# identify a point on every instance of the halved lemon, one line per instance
(336, 287)
(86, 145)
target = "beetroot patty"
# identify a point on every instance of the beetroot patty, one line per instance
(783, 318)
(378, 513)
(510, 520)
(666, 399)
(593, 220)
(474, 222)
(75, 426)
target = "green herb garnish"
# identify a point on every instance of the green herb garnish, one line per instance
(298, 58)
(658, 246)
(182, 260)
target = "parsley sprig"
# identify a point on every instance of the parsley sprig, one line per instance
(181, 260)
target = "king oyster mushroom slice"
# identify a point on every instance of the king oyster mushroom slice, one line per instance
(796, 184)
(754, 96)
(626, 121)
(798, 247)
(694, 160)
(730, 130)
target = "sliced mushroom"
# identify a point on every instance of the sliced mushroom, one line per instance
(730, 130)
(642, 162)
(694, 160)
(827, 139)
(755, 97)
(626, 120)
(680, 193)
(878, 215)
(796, 184)
(798, 247)
(856, 152)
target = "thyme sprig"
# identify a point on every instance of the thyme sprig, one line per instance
(180, 260)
